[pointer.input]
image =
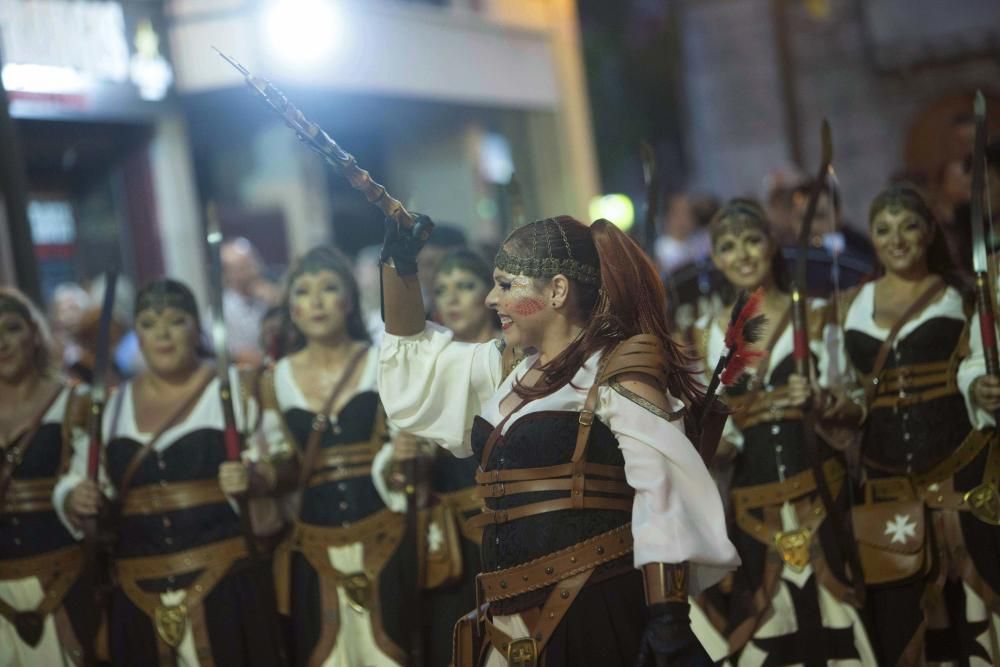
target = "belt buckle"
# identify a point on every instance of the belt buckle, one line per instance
(522, 652)
(984, 503)
(171, 623)
(586, 417)
(359, 591)
(793, 545)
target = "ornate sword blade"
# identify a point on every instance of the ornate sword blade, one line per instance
(98, 387)
(976, 218)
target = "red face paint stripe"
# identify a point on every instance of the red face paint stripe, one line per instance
(528, 307)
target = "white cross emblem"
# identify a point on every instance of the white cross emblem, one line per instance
(435, 537)
(901, 528)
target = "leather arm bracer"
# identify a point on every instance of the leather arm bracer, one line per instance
(665, 582)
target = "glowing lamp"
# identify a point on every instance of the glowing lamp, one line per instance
(615, 208)
(303, 32)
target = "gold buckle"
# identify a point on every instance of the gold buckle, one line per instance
(522, 652)
(359, 591)
(171, 623)
(586, 417)
(793, 546)
(984, 503)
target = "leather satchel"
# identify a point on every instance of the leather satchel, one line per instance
(891, 534)
(442, 546)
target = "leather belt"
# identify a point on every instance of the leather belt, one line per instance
(340, 462)
(894, 384)
(488, 517)
(524, 474)
(213, 560)
(28, 495)
(379, 534)
(57, 571)
(762, 407)
(569, 569)
(792, 545)
(775, 493)
(172, 497)
(557, 566)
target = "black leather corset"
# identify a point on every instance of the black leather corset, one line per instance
(539, 440)
(335, 503)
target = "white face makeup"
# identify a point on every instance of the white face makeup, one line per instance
(319, 304)
(521, 306)
(459, 297)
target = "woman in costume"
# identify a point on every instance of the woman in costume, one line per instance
(47, 612)
(339, 572)
(931, 575)
(186, 592)
(791, 599)
(586, 474)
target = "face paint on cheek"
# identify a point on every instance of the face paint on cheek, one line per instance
(528, 306)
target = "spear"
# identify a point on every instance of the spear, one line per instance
(313, 136)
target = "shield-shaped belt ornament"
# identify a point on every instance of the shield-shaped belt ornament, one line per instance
(984, 503)
(793, 545)
(522, 653)
(171, 623)
(29, 626)
(359, 591)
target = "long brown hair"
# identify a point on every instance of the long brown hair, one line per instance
(628, 300)
(320, 258)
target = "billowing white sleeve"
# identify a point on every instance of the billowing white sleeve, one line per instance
(433, 387)
(677, 515)
(972, 367)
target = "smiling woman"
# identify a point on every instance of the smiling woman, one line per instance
(45, 611)
(583, 462)
(801, 585)
(906, 335)
(185, 585)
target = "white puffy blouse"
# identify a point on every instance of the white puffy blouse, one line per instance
(433, 387)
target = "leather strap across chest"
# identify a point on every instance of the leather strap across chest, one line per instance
(579, 480)
(14, 454)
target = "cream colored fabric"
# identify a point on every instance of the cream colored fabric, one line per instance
(26, 594)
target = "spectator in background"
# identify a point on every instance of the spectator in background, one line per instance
(66, 309)
(684, 238)
(829, 230)
(246, 296)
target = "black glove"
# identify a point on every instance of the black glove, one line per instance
(402, 245)
(668, 640)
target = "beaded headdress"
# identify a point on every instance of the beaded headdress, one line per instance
(548, 266)
(736, 217)
(166, 293)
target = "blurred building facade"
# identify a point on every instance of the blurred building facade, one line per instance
(892, 76)
(442, 101)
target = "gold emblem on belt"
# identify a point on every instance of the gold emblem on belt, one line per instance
(359, 590)
(793, 546)
(522, 652)
(984, 503)
(171, 623)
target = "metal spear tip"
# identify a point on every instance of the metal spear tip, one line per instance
(979, 105)
(826, 140)
(232, 61)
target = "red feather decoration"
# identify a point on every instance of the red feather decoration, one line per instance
(742, 333)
